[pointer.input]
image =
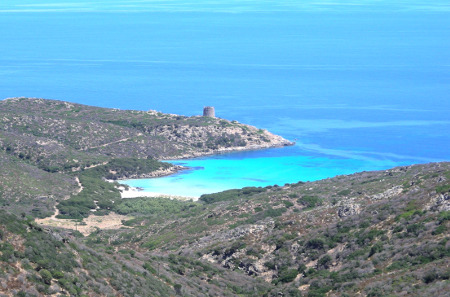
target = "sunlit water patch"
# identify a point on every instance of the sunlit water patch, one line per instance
(254, 168)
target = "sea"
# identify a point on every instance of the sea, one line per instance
(358, 85)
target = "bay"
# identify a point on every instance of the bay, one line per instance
(358, 87)
(252, 169)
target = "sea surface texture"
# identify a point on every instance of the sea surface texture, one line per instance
(359, 85)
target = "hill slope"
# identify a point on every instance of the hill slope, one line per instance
(62, 135)
(45, 145)
(379, 233)
(372, 233)
(383, 233)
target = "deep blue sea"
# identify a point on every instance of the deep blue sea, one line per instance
(359, 85)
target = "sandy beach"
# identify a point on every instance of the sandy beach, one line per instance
(133, 192)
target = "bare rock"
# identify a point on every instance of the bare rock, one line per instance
(348, 210)
(443, 202)
(388, 193)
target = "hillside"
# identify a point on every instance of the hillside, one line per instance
(46, 145)
(61, 135)
(381, 233)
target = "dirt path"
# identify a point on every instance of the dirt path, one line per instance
(53, 216)
(80, 186)
(106, 144)
(89, 224)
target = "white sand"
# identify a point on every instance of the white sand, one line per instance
(135, 193)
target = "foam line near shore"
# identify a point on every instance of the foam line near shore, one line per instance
(133, 192)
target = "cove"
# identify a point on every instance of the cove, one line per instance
(258, 168)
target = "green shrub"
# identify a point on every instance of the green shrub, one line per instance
(430, 277)
(310, 271)
(344, 192)
(357, 253)
(287, 276)
(364, 225)
(317, 289)
(444, 216)
(126, 167)
(147, 266)
(397, 265)
(273, 213)
(156, 206)
(376, 248)
(315, 243)
(294, 292)
(324, 262)
(177, 288)
(443, 188)
(364, 237)
(270, 265)
(57, 274)
(46, 276)
(231, 194)
(398, 229)
(414, 228)
(302, 268)
(310, 201)
(376, 292)
(288, 203)
(441, 229)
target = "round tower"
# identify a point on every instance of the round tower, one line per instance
(208, 111)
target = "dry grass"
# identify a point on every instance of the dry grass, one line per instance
(89, 224)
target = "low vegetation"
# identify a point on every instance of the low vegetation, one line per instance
(301, 239)
(45, 145)
(308, 239)
(382, 233)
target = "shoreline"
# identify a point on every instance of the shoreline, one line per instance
(155, 174)
(130, 192)
(133, 192)
(225, 150)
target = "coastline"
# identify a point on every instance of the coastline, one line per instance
(133, 192)
(253, 147)
(154, 174)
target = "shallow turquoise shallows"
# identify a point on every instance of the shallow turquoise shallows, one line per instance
(255, 168)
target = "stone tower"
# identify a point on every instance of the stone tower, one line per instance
(208, 111)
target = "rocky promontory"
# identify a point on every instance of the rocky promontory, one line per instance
(61, 135)
(47, 142)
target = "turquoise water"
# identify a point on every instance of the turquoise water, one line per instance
(359, 85)
(257, 168)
